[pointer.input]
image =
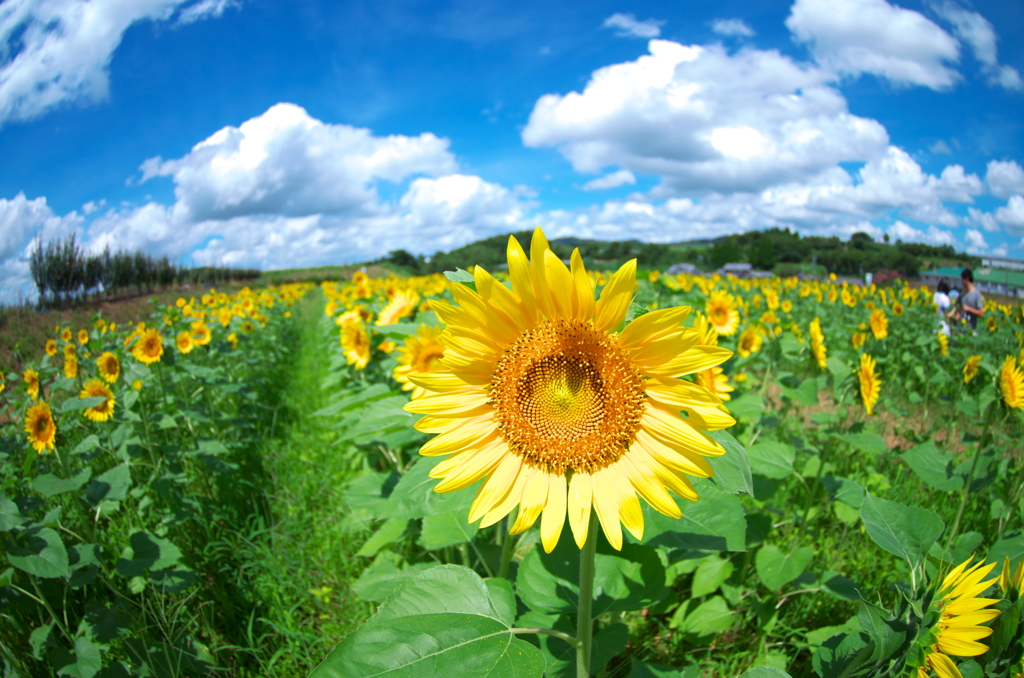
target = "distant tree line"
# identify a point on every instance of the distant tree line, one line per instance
(64, 273)
(775, 249)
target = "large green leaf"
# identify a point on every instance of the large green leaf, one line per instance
(709, 576)
(447, 529)
(388, 533)
(369, 491)
(113, 485)
(905, 531)
(385, 574)
(710, 617)
(366, 395)
(414, 496)
(50, 485)
(10, 514)
(147, 552)
(442, 622)
(772, 459)
(764, 672)
(748, 406)
(777, 568)
(641, 670)
(715, 522)
(732, 469)
(630, 579)
(869, 443)
(934, 467)
(886, 632)
(72, 404)
(39, 552)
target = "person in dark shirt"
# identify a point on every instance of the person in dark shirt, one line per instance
(971, 302)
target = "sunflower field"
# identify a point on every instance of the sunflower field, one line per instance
(545, 471)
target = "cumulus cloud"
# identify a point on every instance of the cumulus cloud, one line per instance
(705, 120)
(1004, 178)
(22, 221)
(732, 27)
(613, 180)
(56, 51)
(986, 220)
(286, 163)
(1012, 214)
(873, 36)
(628, 27)
(977, 32)
(975, 241)
(933, 236)
(940, 147)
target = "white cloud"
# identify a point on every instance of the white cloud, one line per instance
(872, 36)
(613, 180)
(286, 163)
(1012, 214)
(1000, 251)
(933, 236)
(977, 32)
(1004, 178)
(957, 186)
(21, 221)
(986, 220)
(629, 27)
(940, 147)
(205, 9)
(706, 120)
(56, 51)
(732, 27)
(975, 241)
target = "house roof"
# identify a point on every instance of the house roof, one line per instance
(989, 275)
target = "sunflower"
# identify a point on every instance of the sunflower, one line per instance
(559, 412)
(109, 367)
(137, 384)
(83, 337)
(713, 378)
(833, 294)
(402, 306)
(70, 350)
(65, 334)
(818, 349)
(95, 388)
(879, 324)
(898, 309)
(971, 368)
(150, 347)
(722, 312)
(71, 367)
(247, 327)
(870, 383)
(858, 339)
(3, 381)
(356, 344)
(1011, 383)
(184, 342)
(51, 347)
(419, 353)
(31, 379)
(201, 333)
(961, 615)
(387, 346)
(990, 322)
(943, 342)
(233, 340)
(40, 427)
(750, 342)
(787, 306)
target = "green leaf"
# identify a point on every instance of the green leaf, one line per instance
(630, 579)
(715, 522)
(868, 443)
(836, 655)
(608, 643)
(710, 617)
(765, 672)
(86, 662)
(776, 568)
(840, 586)
(461, 277)
(414, 496)
(709, 576)
(88, 444)
(772, 459)
(905, 531)
(147, 552)
(732, 469)
(839, 368)
(885, 631)
(503, 598)
(934, 467)
(1010, 546)
(369, 491)
(845, 490)
(73, 404)
(39, 552)
(641, 670)
(85, 564)
(369, 394)
(806, 394)
(10, 515)
(49, 485)
(113, 485)
(391, 531)
(446, 588)
(398, 330)
(7, 577)
(384, 575)
(748, 406)
(447, 529)
(819, 636)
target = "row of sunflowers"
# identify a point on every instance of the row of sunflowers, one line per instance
(123, 458)
(814, 478)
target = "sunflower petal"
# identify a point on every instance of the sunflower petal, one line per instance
(616, 297)
(606, 502)
(580, 500)
(553, 519)
(532, 502)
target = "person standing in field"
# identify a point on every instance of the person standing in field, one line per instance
(972, 302)
(945, 306)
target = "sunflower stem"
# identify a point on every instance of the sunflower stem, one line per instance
(506, 549)
(585, 619)
(965, 493)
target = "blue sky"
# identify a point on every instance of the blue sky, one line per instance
(282, 134)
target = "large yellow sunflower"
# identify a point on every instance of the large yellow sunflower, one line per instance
(83, 337)
(818, 349)
(971, 368)
(51, 347)
(201, 335)
(150, 347)
(95, 388)
(559, 411)
(40, 427)
(109, 367)
(870, 383)
(1011, 383)
(419, 353)
(185, 342)
(722, 312)
(401, 306)
(750, 342)
(31, 379)
(961, 615)
(879, 324)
